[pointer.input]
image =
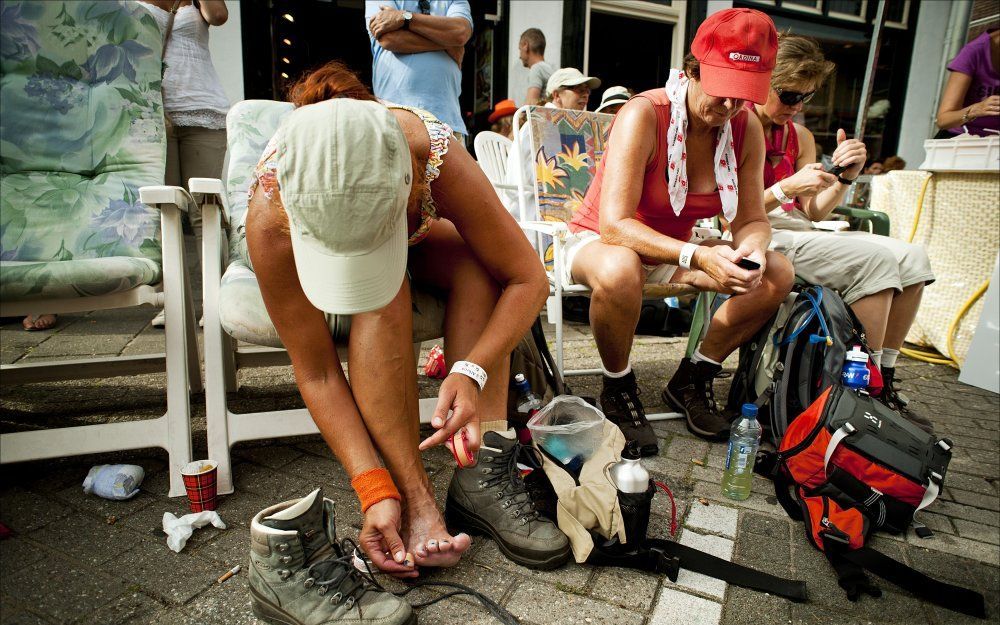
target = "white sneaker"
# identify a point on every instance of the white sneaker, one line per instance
(160, 320)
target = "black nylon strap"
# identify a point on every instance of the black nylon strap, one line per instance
(927, 588)
(736, 574)
(785, 498)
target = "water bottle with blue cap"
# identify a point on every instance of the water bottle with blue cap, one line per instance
(855, 374)
(744, 440)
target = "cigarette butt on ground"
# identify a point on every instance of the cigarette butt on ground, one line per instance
(228, 574)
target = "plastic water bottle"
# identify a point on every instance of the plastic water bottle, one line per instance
(744, 439)
(855, 374)
(628, 474)
(527, 403)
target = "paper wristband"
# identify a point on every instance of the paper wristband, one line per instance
(373, 486)
(779, 194)
(687, 255)
(471, 370)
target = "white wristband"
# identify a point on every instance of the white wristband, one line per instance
(779, 194)
(471, 369)
(687, 255)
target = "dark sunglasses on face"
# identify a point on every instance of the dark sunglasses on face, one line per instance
(791, 98)
(424, 6)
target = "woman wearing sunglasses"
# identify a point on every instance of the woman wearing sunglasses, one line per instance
(881, 278)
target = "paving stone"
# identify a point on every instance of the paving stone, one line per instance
(675, 607)
(268, 455)
(24, 511)
(222, 604)
(317, 470)
(257, 479)
(703, 584)
(958, 546)
(757, 501)
(173, 577)
(15, 616)
(131, 607)
(571, 577)
(747, 607)
(625, 588)
(537, 602)
(489, 579)
(60, 589)
(717, 519)
(449, 612)
(769, 555)
(969, 513)
(812, 614)
(228, 548)
(685, 449)
(17, 553)
(977, 531)
(103, 542)
(764, 525)
(979, 500)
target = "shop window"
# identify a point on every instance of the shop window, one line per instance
(645, 66)
(854, 10)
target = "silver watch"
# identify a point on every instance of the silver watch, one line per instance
(407, 16)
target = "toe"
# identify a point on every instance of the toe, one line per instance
(433, 546)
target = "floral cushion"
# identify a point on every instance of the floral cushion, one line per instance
(24, 281)
(567, 145)
(81, 131)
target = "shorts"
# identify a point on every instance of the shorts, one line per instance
(576, 241)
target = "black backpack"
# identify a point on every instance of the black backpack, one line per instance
(797, 355)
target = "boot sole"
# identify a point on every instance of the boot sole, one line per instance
(672, 401)
(458, 518)
(273, 615)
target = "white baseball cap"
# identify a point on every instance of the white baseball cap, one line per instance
(612, 96)
(344, 171)
(570, 77)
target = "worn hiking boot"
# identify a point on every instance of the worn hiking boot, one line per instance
(491, 498)
(892, 398)
(622, 406)
(301, 575)
(690, 392)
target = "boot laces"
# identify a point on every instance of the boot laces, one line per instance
(705, 387)
(507, 476)
(627, 400)
(338, 573)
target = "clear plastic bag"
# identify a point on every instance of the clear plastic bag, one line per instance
(568, 429)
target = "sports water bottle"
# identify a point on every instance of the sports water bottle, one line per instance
(634, 494)
(744, 439)
(628, 474)
(527, 405)
(855, 375)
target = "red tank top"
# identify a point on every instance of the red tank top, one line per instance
(787, 155)
(654, 209)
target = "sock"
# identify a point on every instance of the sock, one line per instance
(700, 357)
(492, 426)
(877, 358)
(889, 357)
(621, 374)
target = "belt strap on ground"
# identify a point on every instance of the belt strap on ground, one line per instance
(927, 588)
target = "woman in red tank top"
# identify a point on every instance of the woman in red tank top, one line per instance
(880, 278)
(674, 156)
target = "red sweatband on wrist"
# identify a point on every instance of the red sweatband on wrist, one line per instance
(373, 486)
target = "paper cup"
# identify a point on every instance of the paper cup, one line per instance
(200, 482)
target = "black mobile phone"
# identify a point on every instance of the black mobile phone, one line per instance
(746, 263)
(836, 170)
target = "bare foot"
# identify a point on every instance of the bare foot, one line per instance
(39, 322)
(425, 534)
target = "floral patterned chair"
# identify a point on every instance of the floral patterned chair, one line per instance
(82, 144)
(238, 331)
(567, 147)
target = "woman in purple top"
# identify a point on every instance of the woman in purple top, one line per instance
(972, 96)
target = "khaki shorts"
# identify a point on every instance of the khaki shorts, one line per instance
(857, 264)
(576, 241)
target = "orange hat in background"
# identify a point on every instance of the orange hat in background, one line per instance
(502, 108)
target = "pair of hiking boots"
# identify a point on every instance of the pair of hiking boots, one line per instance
(301, 575)
(690, 391)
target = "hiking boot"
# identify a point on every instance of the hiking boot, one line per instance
(491, 498)
(301, 575)
(892, 398)
(690, 392)
(622, 406)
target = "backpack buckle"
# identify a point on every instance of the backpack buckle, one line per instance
(663, 563)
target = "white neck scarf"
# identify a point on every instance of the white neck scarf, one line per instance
(725, 155)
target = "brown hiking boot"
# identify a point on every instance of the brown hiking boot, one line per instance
(621, 405)
(893, 399)
(690, 392)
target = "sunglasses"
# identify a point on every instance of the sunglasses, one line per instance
(791, 98)
(424, 6)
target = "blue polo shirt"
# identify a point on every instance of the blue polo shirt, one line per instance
(428, 80)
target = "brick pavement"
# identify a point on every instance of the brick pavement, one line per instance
(80, 559)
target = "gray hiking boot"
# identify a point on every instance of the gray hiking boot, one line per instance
(491, 498)
(301, 575)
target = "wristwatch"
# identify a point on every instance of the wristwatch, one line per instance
(407, 16)
(844, 181)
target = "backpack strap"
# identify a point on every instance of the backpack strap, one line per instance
(850, 575)
(940, 593)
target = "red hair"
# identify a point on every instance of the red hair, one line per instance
(332, 80)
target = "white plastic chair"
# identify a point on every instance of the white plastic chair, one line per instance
(492, 150)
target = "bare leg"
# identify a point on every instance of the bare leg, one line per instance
(873, 313)
(615, 275)
(901, 315)
(383, 378)
(742, 315)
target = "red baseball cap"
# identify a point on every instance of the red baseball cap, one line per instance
(736, 50)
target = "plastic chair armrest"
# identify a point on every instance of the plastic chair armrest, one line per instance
(880, 220)
(208, 192)
(155, 196)
(551, 228)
